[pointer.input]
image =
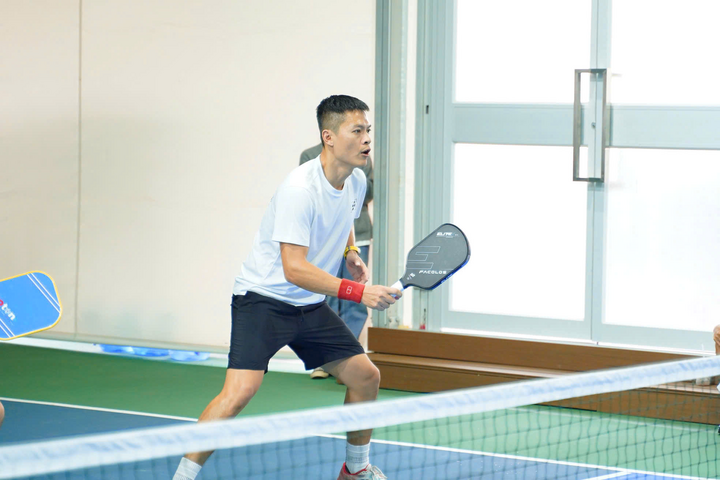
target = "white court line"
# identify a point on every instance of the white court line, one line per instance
(612, 475)
(618, 470)
(547, 411)
(44, 292)
(98, 409)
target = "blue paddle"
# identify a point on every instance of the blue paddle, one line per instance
(29, 303)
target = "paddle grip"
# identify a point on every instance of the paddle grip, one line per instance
(397, 285)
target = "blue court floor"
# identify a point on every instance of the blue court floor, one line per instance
(312, 458)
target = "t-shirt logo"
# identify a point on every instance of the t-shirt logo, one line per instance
(353, 205)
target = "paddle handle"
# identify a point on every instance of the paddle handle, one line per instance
(398, 285)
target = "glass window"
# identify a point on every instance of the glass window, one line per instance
(526, 222)
(520, 51)
(665, 52)
(662, 258)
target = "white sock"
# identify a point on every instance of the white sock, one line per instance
(187, 470)
(357, 457)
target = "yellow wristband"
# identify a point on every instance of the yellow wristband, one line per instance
(351, 247)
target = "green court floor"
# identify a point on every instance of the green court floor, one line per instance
(149, 386)
(575, 436)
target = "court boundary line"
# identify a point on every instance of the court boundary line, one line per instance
(612, 475)
(547, 412)
(99, 409)
(625, 471)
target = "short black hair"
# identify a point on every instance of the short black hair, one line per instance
(331, 111)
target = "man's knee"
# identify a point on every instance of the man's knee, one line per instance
(368, 378)
(245, 390)
(238, 395)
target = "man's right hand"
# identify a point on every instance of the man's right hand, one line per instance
(380, 297)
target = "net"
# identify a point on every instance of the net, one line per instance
(645, 422)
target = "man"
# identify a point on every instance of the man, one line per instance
(353, 314)
(279, 295)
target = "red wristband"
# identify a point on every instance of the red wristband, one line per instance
(350, 290)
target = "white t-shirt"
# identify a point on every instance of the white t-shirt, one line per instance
(306, 210)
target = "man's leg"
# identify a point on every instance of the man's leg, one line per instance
(362, 379)
(240, 386)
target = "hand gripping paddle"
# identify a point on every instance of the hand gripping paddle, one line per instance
(29, 303)
(435, 259)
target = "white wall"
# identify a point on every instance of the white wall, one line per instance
(39, 143)
(191, 113)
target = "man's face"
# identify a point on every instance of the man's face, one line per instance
(352, 140)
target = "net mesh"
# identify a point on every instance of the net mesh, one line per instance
(648, 422)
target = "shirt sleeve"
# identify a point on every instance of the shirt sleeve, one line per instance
(293, 216)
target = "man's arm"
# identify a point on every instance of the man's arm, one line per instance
(307, 276)
(369, 177)
(354, 263)
(351, 238)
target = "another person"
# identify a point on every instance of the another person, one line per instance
(2, 413)
(353, 314)
(279, 295)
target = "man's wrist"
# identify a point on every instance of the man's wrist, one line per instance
(351, 248)
(350, 290)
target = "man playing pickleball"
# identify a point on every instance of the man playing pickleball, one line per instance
(279, 296)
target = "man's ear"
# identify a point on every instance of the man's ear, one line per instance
(328, 138)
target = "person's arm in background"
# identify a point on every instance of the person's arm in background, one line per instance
(369, 176)
(716, 337)
(311, 153)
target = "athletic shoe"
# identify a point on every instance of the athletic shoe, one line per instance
(319, 373)
(368, 473)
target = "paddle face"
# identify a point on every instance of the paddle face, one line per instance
(436, 258)
(29, 303)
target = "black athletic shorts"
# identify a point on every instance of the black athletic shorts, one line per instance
(262, 325)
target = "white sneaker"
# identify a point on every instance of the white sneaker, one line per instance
(319, 373)
(368, 473)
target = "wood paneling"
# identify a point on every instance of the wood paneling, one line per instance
(431, 362)
(519, 353)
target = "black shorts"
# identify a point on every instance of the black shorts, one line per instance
(262, 325)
